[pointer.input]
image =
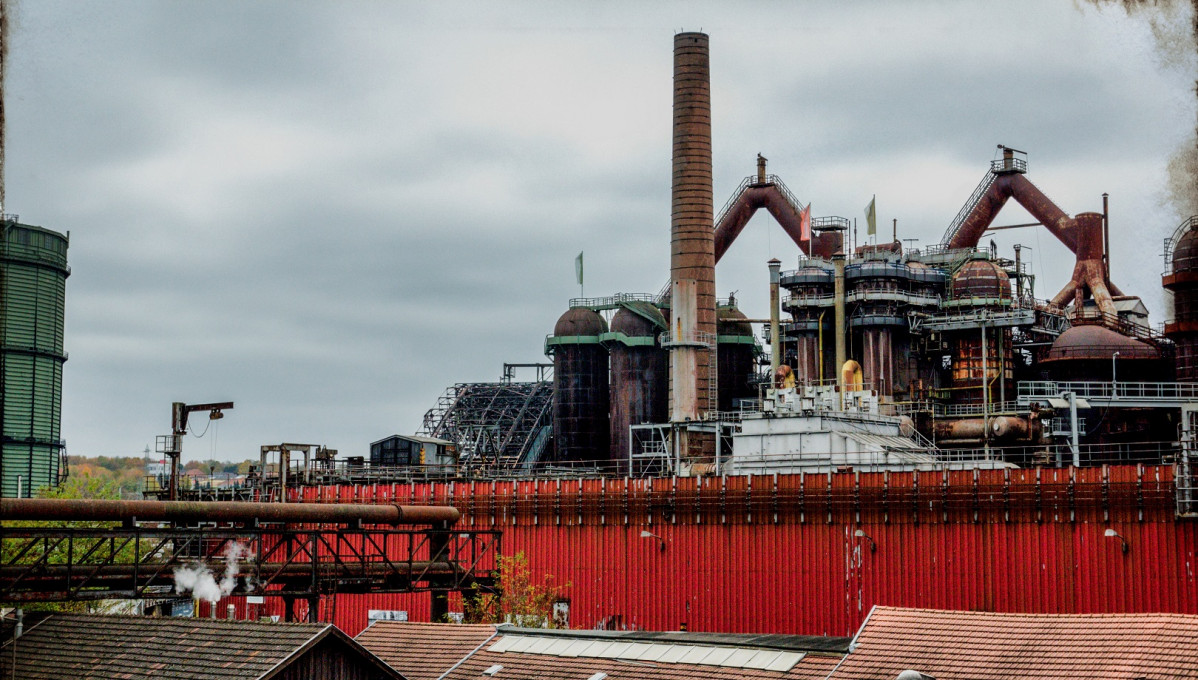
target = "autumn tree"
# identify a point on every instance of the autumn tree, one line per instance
(516, 597)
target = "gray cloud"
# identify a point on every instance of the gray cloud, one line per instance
(328, 212)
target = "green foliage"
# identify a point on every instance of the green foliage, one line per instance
(84, 487)
(516, 598)
(56, 552)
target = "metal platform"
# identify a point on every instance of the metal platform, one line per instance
(1106, 393)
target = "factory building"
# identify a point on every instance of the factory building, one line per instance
(33, 274)
(946, 345)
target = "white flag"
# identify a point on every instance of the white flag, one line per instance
(578, 268)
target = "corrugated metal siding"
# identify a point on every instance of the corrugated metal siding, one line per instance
(778, 553)
(33, 276)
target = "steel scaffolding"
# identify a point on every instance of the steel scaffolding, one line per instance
(503, 424)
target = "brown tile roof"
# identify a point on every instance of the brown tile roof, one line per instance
(407, 647)
(517, 666)
(82, 646)
(423, 651)
(957, 645)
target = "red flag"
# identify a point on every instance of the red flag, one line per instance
(805, 224)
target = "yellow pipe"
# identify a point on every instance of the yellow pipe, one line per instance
(1002, 357)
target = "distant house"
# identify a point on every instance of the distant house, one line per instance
(428, 651)
(81, 646)
(404, 450)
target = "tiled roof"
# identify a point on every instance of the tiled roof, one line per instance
(422, 651)
(958, 645)
(406, 647)
(83, 647)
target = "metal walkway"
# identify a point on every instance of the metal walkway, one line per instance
(1106, 393)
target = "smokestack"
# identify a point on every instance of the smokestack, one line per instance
(692, 251)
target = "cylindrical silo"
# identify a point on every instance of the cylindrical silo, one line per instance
(1182, 280)
(580, 387)
(33, 274)
(809, 304)
(639, 373)
(737, 358)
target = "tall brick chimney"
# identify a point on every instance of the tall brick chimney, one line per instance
(692, 247)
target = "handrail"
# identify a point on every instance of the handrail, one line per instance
(1188, 224)
(1105, 389)
(740, 188)
(612, 300)
(970, 204)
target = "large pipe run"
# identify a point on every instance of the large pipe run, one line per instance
(1084, 234)
(768, 196)
(189, 511)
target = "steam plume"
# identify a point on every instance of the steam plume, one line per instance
(1177, 47)
(202, 584)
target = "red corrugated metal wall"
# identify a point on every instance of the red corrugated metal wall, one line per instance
(778, 554)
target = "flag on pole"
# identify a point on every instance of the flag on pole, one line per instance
(805, 224)
(871, 216)
(578, 268)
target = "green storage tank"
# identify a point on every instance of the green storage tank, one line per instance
(33, 275)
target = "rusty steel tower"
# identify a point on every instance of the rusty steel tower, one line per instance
(692, 247)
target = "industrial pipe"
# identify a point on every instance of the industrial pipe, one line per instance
(838, 311)
(1085, 235)
(775, 342)
(1002, 428)
(768, 196)
(188, 511)
(101, 574)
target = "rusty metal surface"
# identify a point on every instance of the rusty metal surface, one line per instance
(736, 363)
(191, 511)
(768, 196)
(692, 248)
(52, 563)
(580, 388)
(778, 553)
(981, 279)
(639, 380)
(1029, 196)
(1097, 343)
(1082, 234)
(877, 359)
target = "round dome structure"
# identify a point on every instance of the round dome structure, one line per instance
(1185, 253)
(981, 279)
(1091, 343)
(732, 321)
(580, 321)
(637, 324)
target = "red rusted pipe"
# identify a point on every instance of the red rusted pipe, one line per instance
(189, 511)
(1028, 196)
(769, 197)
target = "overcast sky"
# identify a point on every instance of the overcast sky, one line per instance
(328, 212)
